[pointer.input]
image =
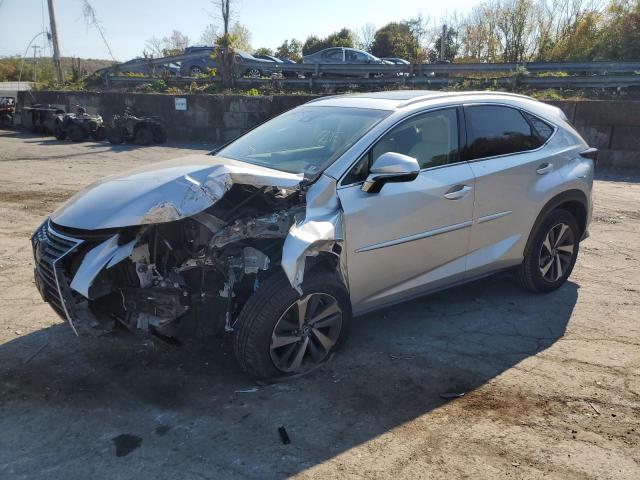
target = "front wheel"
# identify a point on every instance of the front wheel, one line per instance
(76, 133)
(280, 333)
(552, 253)
(144, 136)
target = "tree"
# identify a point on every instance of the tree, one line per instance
(263, 51)
(209, 35)
(619, 38)
(223, 11)
(515, 23)
(450, 46)
(155, 46)
(291, 49)
(240, 37)
(395, 40)
(175, 43)
(365, 36)
(343, 38)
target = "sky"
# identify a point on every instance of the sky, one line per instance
(129, 23)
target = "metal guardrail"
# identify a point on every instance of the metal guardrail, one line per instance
(576, 81)
(578, 74)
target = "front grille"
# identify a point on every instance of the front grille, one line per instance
(49, 248)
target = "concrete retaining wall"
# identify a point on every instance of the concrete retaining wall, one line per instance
(611, 126)
(214, 118)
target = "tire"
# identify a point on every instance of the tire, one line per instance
(144, 136)
(549, 260)
(59, 133)
(6, 121)
(100, 134)
(115, 136)
(76, 133)
(159, 135)
(195, 70)
(253, 73)
(271, 307)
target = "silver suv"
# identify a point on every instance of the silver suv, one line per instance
(335, 208)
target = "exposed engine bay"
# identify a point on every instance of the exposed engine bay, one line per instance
(188, 277)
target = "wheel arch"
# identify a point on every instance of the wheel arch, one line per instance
(574, 201)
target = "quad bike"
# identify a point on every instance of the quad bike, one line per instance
(7, 109)
(131, 128)
(78, 126)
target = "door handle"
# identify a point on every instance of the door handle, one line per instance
(457, 192)
(544, 168)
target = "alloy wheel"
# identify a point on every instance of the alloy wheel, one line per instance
(556, 252)
(306, 332)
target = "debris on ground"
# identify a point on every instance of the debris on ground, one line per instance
(450, 395)
(284, 436)
(247, 390)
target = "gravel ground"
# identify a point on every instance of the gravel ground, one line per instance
(552, 383)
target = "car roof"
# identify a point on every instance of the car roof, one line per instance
(396, 99)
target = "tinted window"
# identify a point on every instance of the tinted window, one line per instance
(353, 56)
(430, 138)
(333, 55)
(540, 128)
(493, 130)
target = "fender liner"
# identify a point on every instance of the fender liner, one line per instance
(571, 197)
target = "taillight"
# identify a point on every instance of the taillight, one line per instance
(592, 154)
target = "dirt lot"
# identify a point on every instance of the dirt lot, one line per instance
(552, 382)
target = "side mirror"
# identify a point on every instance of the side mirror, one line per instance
(390, 167)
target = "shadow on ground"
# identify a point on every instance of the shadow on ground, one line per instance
(73, 407)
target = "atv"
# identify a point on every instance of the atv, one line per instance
(7, 109)
(131, 128)
(79, 126)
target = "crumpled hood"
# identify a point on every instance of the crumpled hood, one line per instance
(163, 192)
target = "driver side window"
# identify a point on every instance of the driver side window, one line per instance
(430, 138)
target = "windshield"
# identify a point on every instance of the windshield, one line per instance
(304, 140)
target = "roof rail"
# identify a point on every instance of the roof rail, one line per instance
(325, 97)
(460, 94)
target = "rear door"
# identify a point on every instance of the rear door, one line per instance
(505, 151)
(411, 236)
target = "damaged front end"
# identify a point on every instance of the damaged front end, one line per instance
(184, 262)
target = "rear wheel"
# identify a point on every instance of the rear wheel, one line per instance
(76, 133)
(552, 253)
(58, 132)
(281, 333)
(159, 134)
(254, 73)
(144, 136)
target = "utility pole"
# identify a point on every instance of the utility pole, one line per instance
(442, 40)
(35, 63)
(54, 38)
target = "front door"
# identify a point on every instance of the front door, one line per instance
(413, 236)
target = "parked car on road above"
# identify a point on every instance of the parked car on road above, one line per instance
(202, 64)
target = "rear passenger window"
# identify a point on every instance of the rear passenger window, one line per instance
(494, 130)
